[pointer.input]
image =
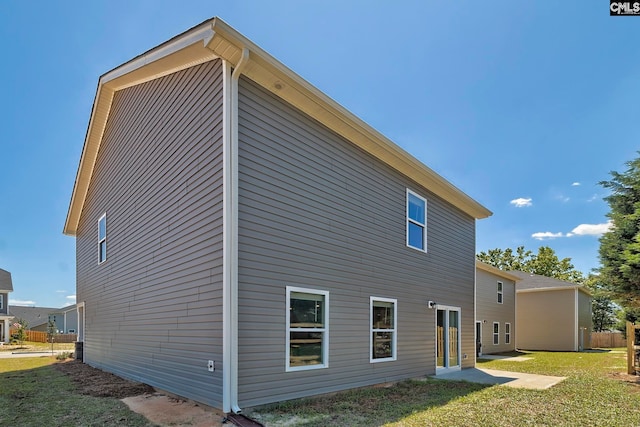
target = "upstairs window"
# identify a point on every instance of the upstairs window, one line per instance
(416, 221)
(1, 302)
(307, 329)
(102, 239)
(499, 292)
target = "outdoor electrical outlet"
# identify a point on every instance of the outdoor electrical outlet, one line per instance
(211, 366)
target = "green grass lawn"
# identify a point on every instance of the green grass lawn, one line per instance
(34, 393)
(588, 397)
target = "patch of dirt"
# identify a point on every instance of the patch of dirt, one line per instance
(630, 379)
(94, 382)
(157, 407)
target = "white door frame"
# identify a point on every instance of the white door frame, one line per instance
(478, 337)
(446, 368)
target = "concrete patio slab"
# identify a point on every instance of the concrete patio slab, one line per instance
(506, 378)
(506, 358)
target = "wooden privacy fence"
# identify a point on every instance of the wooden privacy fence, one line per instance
(607, 340)
(38, 336)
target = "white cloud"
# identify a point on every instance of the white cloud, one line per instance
(22, 303)
(71, 299)
(546, 235)
(593, 198)
(521, 202)
(575, 184)
(580, 230)
(591, 229)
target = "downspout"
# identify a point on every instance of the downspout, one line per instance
(230, 237)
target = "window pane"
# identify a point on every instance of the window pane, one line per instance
(382, 345)
(305, 348)
(306, 310)
(416, 208)
(499, 286)
(102, 228)
(453, 338)
(500, 298)
(383, 315)
(103, 251)
(440, 349)
(416, 235)
(496, 328)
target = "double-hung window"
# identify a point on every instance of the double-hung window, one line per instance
(383, 329)
(507, 333)
(416, 221)
(499, 292)
(307, 329)
(496, 333)
(102, 239)
(1, 302)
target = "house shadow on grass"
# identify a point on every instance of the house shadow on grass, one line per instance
(369, 406)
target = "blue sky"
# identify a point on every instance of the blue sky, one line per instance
(524, 106)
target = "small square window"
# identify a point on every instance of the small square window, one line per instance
(416, 210)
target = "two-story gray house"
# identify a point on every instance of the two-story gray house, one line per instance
(243, 239)
(6, 286)
(495, 310)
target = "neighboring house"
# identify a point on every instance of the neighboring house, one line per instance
(6, 286)
(37, 318)
(65, 319)
(551, 314)
(243, 239)
(495, 309)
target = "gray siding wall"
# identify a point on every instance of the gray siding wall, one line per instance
(488, 310)
(154, 308)
(317, 212)
(5, 303)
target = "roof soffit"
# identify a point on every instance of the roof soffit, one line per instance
(216, 39)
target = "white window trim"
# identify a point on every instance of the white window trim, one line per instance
(496, 334)
(104, 216)
(1, 301)
(500, 290)
(394, 330)
(507, 333)
(408, 220)
(325, 330)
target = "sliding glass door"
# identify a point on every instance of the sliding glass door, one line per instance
(447, 339)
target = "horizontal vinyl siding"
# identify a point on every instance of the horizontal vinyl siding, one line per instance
(317, 212)
(546, 320)
(154, 308)
(488, 310)
(585, 318)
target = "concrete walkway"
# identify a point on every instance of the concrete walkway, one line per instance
(506, 378)
(18, 353)
(505, 358)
